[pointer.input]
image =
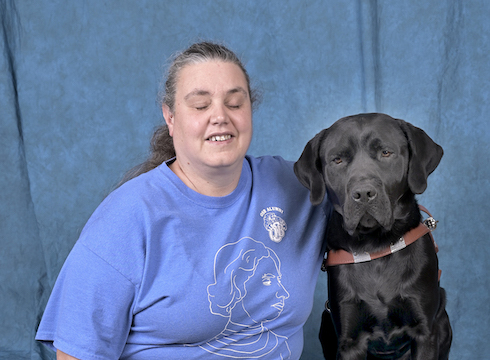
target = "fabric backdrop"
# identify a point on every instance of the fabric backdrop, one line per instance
(78, 85)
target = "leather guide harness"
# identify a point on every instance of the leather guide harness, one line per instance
(341, 257)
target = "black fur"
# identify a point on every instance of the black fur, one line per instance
(371, 166)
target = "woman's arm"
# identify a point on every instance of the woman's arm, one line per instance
(60, 355)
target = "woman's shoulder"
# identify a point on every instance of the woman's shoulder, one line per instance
(270, 159)
(118, 230)
(273, 168)
(274, 172)
(271, 163)
(137, 191)
(127, 207)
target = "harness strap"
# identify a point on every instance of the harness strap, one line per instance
(342, 257)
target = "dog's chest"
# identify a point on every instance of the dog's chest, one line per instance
(377, 282)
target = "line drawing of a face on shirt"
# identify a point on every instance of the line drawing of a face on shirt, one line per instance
(248, 291)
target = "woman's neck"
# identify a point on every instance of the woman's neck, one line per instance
(209, 182)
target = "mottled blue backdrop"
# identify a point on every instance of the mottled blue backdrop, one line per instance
(78, 85)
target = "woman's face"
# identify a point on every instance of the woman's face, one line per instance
(212, 120)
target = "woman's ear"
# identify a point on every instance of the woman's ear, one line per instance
(169, 118)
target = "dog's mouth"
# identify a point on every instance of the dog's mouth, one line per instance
(366, 222)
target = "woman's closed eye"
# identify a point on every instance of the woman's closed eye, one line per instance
(234, 105)
(236, 99)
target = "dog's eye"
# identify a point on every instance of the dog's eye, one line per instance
(386, 153)
(337, 160)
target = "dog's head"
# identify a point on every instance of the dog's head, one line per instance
(367, 163)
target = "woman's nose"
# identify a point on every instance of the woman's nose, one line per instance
(219, 115)
(218, 120)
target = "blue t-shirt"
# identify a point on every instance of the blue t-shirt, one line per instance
(163, 272)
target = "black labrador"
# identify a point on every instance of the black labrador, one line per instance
(371, 166)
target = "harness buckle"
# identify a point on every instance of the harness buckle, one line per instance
(431, 223)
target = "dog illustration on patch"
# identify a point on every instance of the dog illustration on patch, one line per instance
(275, 225)
(247, 289)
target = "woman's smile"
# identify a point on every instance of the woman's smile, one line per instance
(219, 138)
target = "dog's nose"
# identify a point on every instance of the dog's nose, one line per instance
(364, 194)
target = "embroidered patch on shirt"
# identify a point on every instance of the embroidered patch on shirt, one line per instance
(273, 223)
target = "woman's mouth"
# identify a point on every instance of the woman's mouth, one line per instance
(220, 138)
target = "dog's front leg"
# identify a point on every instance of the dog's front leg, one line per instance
(353, 339)
(425, 349)
(436, 345)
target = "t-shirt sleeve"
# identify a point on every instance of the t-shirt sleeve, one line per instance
(89, 312)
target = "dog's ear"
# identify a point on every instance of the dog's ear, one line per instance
(425, 155)
(308, 169)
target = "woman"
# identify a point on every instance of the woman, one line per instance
(135, 285)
